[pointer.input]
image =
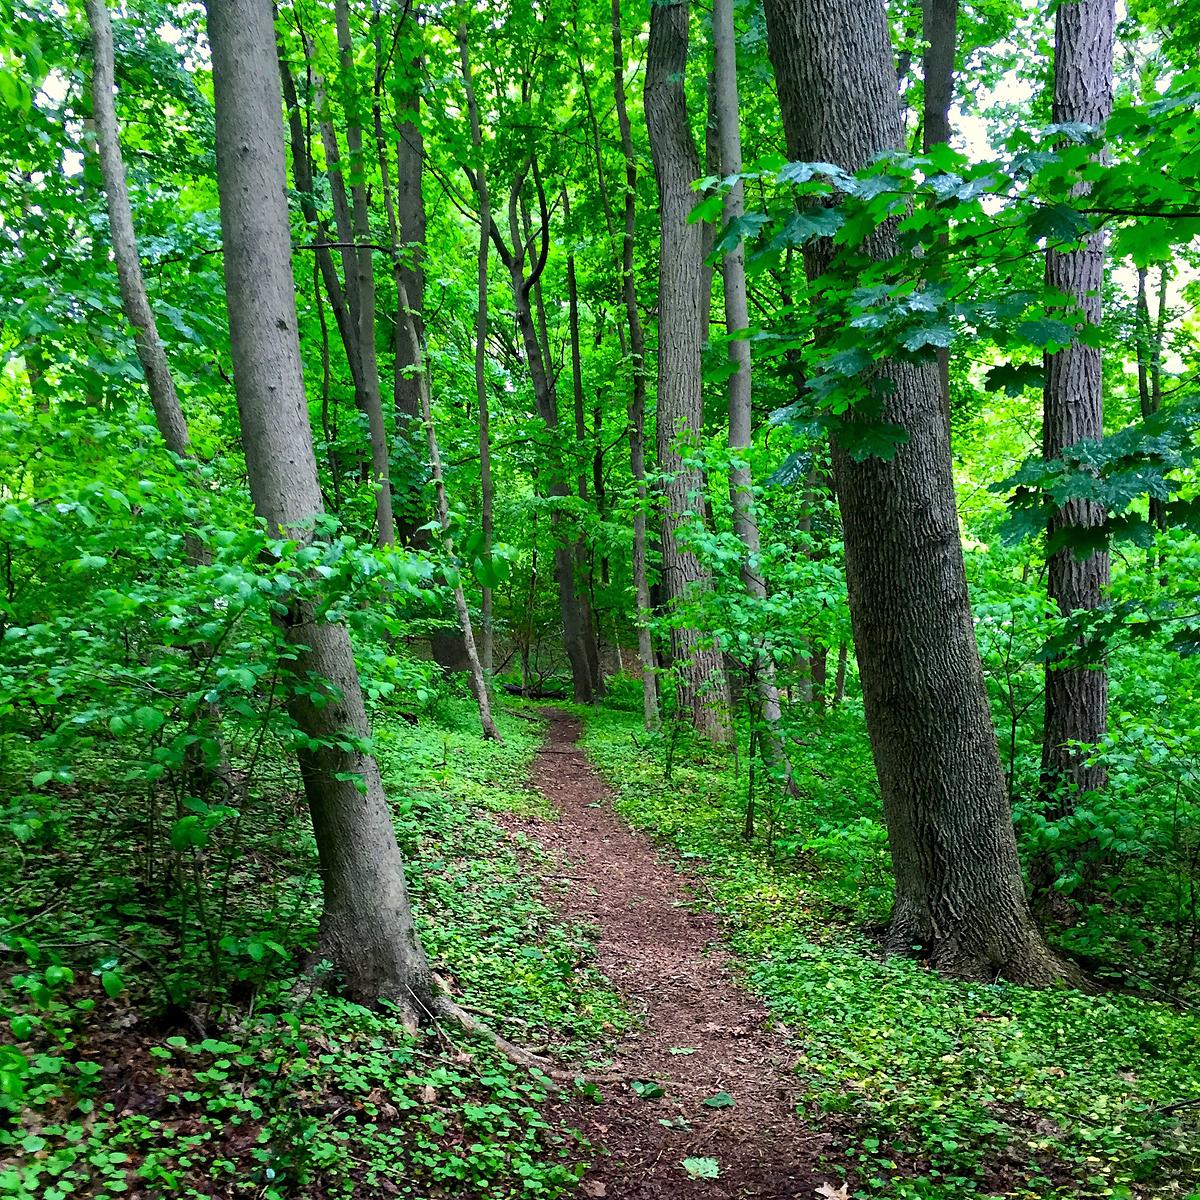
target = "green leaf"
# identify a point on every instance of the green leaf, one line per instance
(647, 1089)
(112, 983)
(719, 1100)
(702, 1168)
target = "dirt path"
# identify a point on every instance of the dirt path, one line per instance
(667, 960)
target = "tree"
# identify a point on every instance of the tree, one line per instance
(702, 687)
(1076, 696)
(367, 927)
(737, 329)
(959, 890)
(637, 404)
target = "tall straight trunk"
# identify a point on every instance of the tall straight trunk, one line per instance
(959, 891)
(582, 584)
(637, 406)
(363, 283)
(737, 328)
(1150, 332)
(702, 686)
(481, 319)
(302, 174)
(1076, 697)
(410, 213)
(367, 927)
(939, 23)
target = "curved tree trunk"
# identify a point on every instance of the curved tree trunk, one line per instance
(703, 689)
(1076, 697)
(637, 406)
(367, 926)
(959, 890)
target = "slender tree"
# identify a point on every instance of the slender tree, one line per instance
(959, 890)
(1076, 696)
(480, 181)
(637, 405)
(703, 690)
(367, 927)
(737, 328)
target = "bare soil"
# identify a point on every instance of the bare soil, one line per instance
(699, 1032)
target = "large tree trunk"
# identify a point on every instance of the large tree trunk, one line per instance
(702, 687)
(367, 927)
(637, 406)
(737, 327)
(1076, 697)
(959, 890)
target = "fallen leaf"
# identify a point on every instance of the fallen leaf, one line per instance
(702, 1168)
(829, 1192)
(428, 1094)
(593, 1187)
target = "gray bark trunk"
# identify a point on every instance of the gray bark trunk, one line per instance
(737, 322)
(637, 406)
(702, 687)
(959, 890)
(367, 927)
(362, 260)
(1076, 697)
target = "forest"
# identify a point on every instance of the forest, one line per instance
(599, 599)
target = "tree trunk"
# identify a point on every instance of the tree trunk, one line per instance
(481, 318)
(479, 683)
(637, 406)
(168, 412)
(410, 211)
(959, 891)
(363, 282)
(702, 688)
(588, 617)
(367, 927)
(737, 328)
(1076, 697)
(546, 400)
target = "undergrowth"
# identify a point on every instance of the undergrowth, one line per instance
(118, 1079)
(949, 1088)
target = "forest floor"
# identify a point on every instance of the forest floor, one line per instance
(711, 1106)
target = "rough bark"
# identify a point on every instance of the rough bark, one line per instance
(480, 182)
(702, 687)
(740, 384)
(367, 927)
(959, 890)
(637, 406)
(1076, 708)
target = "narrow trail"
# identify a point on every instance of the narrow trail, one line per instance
(699, 1032)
